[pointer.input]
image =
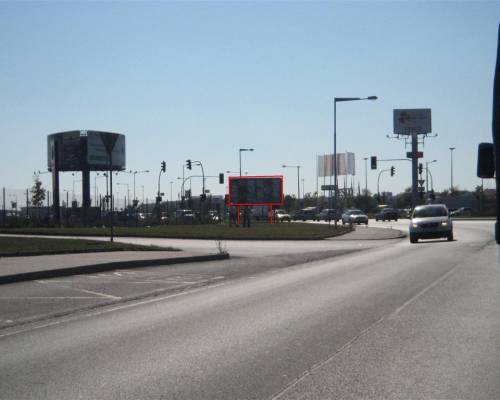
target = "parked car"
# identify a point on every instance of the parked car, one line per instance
(430, 222)
(282, 216)
(329, 214)
(185, 215)
(387, 214)
(354, 217)
(308, 213)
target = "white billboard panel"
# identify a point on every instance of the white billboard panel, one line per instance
(346, 164)
(410, 121)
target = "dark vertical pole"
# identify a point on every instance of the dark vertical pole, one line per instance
(27, 203)
(3, 206)
(111, 194)
(55, 185)
(414, 170)
(496, 134)
(86, 195)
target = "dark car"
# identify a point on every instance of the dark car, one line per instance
(308, 213)
(329, 214)
(387, 214)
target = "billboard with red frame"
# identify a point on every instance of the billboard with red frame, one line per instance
(256, 190)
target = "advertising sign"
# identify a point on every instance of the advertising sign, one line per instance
(412, 121)
(256, 190)
(70, 151)
(346, 164)
(97, 154)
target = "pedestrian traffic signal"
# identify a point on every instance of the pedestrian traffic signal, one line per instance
(420, 168)
(163, 166)
(373, 161)
(393, 171)
(188, 164)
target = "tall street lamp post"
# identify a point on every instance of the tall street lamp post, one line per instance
(335, 101)
(366, 176)
(427, 175)
(451, 160)
(135, 173)
(298, 179)
(240, 156)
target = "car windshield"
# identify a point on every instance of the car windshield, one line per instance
(426, 212)
(356, 212)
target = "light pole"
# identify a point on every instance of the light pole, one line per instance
(366, 176)
(303, 192)
(451, 153)
(135, 173)
(171, 183)
(240, 156)
(427, 175)
(335, 101)
(298, 180)
(128, 194)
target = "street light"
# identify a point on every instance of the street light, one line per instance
(427, 175)
(451, 152)
(240, 156)
(128, 193)
(335, 101)
(135, 173)
(298, 179)
(235, 172)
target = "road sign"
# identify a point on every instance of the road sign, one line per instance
(411, 121)
(421, 189)
(421, 182)
(420, 154)
(327, 187)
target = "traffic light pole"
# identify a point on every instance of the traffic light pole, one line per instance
(414, 170)
(378, 183)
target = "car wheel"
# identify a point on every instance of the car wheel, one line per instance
(396, 219)
(413, 239)
(450, 237)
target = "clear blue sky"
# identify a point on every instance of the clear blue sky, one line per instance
(201, 79)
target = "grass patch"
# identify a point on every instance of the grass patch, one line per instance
(20, 246)
(261, 231)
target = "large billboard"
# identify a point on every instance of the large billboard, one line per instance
(97, 155)
(256, 190)
(412, 121)
(70, 151)
(346, 164)
(80, 150)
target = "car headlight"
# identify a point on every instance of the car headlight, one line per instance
(444, 223)
(414, 225)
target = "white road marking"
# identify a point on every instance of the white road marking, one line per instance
(83, 290)
(50, 297)
(109, 310)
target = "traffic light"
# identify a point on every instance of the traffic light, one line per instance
(393, 171)
(163, 166)
(188, 164)
(221, 179)
(420, 168)
(373, 161)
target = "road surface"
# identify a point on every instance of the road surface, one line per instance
(398, 320)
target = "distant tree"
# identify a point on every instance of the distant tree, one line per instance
(37, 193)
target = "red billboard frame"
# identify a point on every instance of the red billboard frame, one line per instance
(270, 205)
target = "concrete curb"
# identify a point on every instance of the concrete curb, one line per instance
(94, 268)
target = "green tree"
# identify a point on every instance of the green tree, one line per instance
(37, 193)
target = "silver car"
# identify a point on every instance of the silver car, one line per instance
(431, 222)
(354, 217)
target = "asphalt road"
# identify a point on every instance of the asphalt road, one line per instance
(393, 321)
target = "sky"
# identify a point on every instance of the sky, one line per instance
(200, 80)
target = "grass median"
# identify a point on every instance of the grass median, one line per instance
(260, 231)
(27, 246)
